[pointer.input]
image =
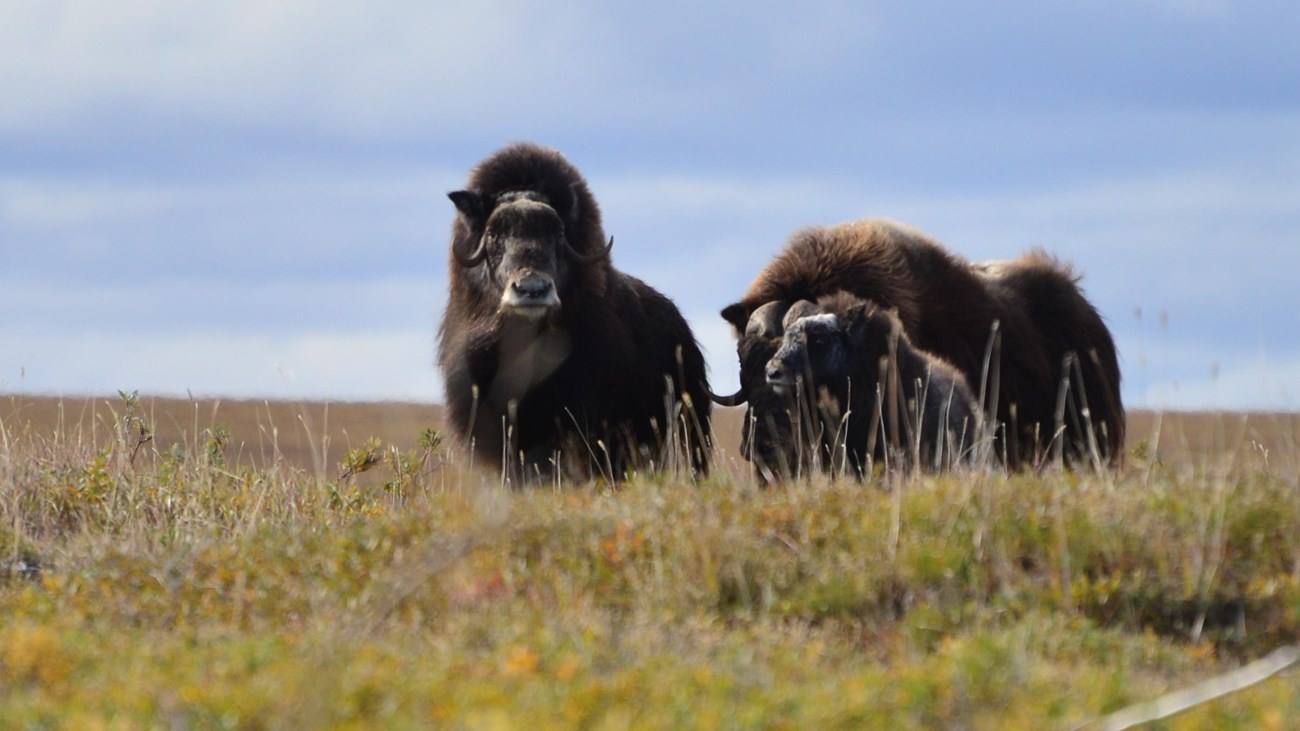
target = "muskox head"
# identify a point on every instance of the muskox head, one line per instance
(823, 346)
(768, 426)
(798, 362)
(521, 241)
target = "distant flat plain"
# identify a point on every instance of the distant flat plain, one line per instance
(315, 435)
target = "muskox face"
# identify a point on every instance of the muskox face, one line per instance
(814, 350)
(798, 363)
(521, 242)
(826, 345)
(767, 427)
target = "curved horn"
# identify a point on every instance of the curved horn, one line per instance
(765, 322)
(581, 258)
(736, 399)
(474, 258)
(800, 309)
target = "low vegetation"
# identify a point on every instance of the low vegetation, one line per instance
(188, 580)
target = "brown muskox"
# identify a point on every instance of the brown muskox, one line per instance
(1035, 351)
(860, 388)
(551, 357)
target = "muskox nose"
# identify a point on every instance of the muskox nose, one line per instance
(531, 295)
(532, 287)
(777, 375)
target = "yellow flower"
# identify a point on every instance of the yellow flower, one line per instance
(36, 654)
(520, 662)
(568, 668)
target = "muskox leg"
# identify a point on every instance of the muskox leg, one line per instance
(695, 437)
(1059, 447)
(511, 458)
(672, 439)
(1084, 437)
(998, 436)
(772, 464)
(473, 419)
(686, 422)
(1090, 434)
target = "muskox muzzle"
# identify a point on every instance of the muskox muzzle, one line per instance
(779, 375)
(531, 294)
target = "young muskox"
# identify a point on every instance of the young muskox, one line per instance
(551, 357)
(860, 388)
(1022, 334)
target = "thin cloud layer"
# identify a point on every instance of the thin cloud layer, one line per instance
(249, 175)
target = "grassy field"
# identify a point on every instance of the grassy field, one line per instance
(251, 565)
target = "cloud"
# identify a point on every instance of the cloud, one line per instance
(492, 68)
(1211, 254)
(289, 225)
(339, 253)
(196, 306)
(251, 172)
(369, 67)
(335, 365)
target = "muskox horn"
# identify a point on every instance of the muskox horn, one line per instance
(798, 310)
(582, 258)
(474, 258)
(765, 322)
(473, 208)
(736, 399)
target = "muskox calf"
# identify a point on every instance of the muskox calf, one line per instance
(860, 390)
(1034, 350)
(551, 357)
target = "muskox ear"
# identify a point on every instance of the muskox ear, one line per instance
(473, 207)
(736, 315)
(868, 320)
(856, 313)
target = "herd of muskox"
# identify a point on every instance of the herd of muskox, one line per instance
(861, 345)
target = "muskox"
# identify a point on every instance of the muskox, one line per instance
(554, 362)
(859, 388)
(1035, 351)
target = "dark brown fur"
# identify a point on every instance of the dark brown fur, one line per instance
(948, 307)
(597, 385)
(861, 389)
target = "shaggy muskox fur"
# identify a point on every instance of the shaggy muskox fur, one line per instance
(1035, 351)
(550, 356)
(859, 387)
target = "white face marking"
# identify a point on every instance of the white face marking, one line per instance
(825, 323)
(791, 358)
(515, 304)
(827, 320)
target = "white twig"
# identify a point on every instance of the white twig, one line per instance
(1181, 700)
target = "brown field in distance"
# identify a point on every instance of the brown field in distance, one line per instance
(316, 435)
(309, 435)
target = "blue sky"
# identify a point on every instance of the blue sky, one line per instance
(247, 198)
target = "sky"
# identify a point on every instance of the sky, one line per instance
(248, 198)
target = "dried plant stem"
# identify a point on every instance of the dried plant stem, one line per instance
(1181, 700)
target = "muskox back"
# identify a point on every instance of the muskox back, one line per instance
(551, 357)
(949, 307)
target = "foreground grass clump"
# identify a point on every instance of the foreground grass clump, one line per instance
(178, 586)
